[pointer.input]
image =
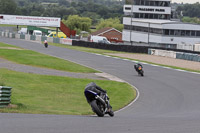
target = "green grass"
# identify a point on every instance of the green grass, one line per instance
(85, 49)
(32, 58)
(7, 25)
(41, 94)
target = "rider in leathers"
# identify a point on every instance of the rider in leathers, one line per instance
(137, 65)
(101, 92)
(93, 87)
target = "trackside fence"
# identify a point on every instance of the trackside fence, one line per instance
(181, 53)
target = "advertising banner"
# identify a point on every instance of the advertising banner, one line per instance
(29, 20)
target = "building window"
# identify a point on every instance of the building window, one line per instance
(171, 32)
(147, 3)
(182, 32)
(198, 33)
(152, 3)
(193, 33)
(155, 16)
(187, 32)
(136, 15)
(136, 2)
(146, 15)
(141, 15)
(151, 16)
(142, 2)
(177, 33)
(166, 32)
(156, 3)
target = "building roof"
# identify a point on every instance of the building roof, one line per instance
(156, 21)
(159, 21)
(104, 30)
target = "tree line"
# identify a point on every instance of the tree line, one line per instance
(78, 15)
(189, 12)
(81, 14)
(94, 9)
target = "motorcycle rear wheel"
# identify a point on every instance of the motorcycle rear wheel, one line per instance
(96, 108)
(142, 73)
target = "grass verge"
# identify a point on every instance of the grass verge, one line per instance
(41, 94)
(28, 57)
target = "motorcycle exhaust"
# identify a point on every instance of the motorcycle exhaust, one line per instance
(101, 100)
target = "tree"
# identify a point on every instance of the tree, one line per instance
(191, 20)
(8, 7)
(111, 22)
(93, 16)
(77, 23)
(190, 10)
(64, 3)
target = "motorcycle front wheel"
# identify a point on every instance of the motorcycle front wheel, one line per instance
(96, 108)
(111, 113)
(142, 73)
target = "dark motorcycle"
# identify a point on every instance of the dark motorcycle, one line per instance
(139, 70)
(100, 104)
(46, 45)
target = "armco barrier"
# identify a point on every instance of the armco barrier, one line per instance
(56, 40)
(32, 37)
(27, 37)
(22, 36)
(5, 94)
(43, 38)
(17, 36)
(38, 38)
(50, 39)
(188, 56)
(11, 35)
(163, 53)
(6, 34)
(66, 41)
(124, 48)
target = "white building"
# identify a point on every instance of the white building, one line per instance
(148, 22)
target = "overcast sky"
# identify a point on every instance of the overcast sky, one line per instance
(185, 1)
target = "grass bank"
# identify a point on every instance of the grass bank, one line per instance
(28, 57)
(41, 94)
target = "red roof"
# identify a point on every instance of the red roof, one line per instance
(104, 30)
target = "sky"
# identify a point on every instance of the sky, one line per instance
(185, 1)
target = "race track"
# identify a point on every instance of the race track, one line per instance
(169, 100)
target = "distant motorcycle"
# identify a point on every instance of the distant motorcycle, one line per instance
(139, 69)
(99, 104)
(46, 44)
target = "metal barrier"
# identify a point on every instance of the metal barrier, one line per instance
(188, 56)
(5, 94)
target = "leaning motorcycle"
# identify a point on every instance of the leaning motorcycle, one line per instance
(46, 45)
(140, 71)
(99, 104)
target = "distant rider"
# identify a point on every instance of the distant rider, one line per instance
(45, 43)
(137, 65)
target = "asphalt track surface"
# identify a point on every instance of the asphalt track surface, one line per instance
(169, 100)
